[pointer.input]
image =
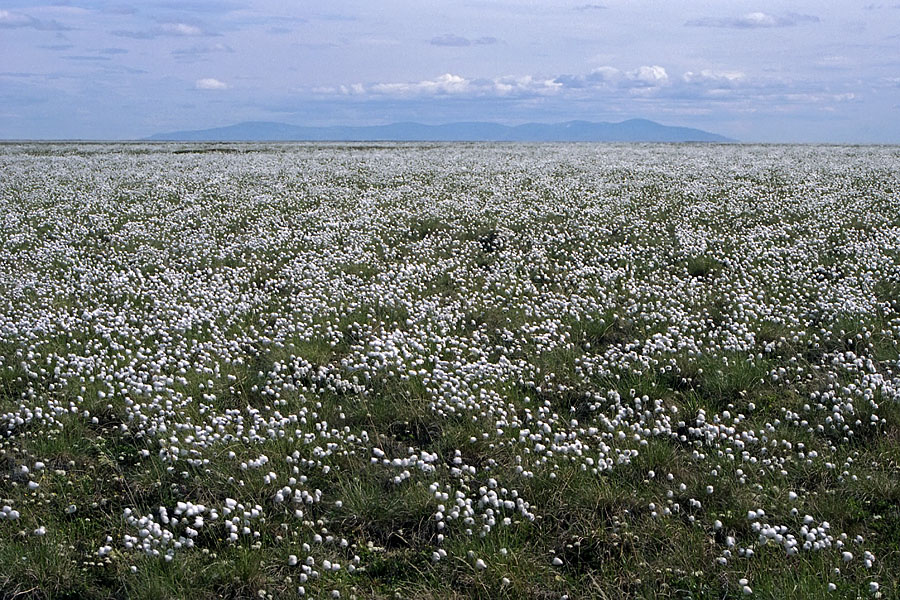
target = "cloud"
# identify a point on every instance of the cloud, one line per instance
(524, 86)
(135, 35)
(449, 84)
(195, 52)
(10, 19)
(648, 76)
(612, 78)
(117, 9)
(201, 6)
(87, 58)
(180, 29)
(315, 45)
(585, 7)
(835, 61)
(648, 86)
(640, 81)
(445, 84)
(113, 51)
(710, 77)
(210, 83)
(754, 20)
(14, 20)
(450, 39)
(173, 29)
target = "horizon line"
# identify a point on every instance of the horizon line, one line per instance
(4, 141)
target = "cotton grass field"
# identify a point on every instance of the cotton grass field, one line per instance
(449, 371)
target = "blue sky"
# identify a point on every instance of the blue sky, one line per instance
(754, 70)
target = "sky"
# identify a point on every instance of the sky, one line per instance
(757, 71)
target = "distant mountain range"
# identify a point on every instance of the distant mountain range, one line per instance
(633, 130)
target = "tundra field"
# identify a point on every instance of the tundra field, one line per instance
(449, 371)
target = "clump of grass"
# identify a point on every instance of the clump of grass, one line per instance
(703, 266)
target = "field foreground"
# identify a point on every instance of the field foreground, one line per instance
(436, 371)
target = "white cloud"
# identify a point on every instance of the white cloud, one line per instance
(758, 19)
(607, 77)
(180, 29)
(449, 84)
(605, 73)
(445, 84)
(707, 76)
(526, 85)
(606, 83)
(11, 19)
(646, 79)
(197, 51)
(754, 20)
(164, 29)
(209, 83)
(649, 76)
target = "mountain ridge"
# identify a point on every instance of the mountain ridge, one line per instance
(631, 130)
